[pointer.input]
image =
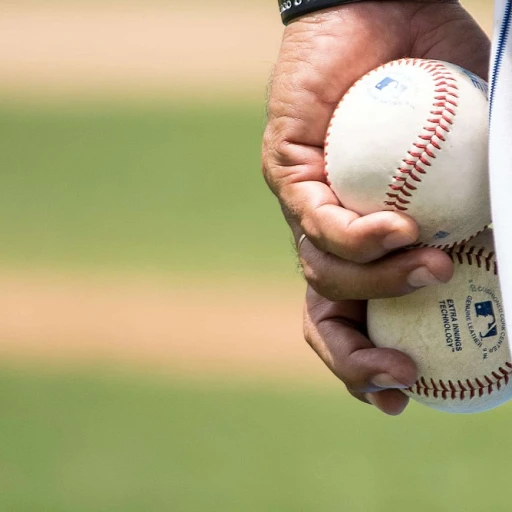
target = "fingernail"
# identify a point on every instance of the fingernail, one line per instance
(386, 381)
(422, 277)
(396, 240)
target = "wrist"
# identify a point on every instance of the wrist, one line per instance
(294, 9)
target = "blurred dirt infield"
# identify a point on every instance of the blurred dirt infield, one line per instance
(153, 51)
(229, 330)
(133, 49)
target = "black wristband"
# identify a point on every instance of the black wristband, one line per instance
(291, 9)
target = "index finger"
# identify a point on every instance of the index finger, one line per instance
(312, 208)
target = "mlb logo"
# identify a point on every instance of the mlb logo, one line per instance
(486, 310)
(391, 87)
(441, 234)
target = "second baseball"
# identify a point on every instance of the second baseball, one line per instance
(455, 333)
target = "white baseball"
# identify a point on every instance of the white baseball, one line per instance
(454, 332)
(411, 136)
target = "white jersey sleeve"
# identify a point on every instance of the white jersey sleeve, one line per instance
(500, 146)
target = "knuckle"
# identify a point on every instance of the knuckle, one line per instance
(319, 277)
(277, 142)
(313, 274)
(277, 157)
(308, 332)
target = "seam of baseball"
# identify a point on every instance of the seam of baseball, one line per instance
(443, 110)
(430, 141)
(463, 390)
(486, 385)
(465, 253)
(448, 247)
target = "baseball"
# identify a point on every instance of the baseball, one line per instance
(454, 332)
(411, 136)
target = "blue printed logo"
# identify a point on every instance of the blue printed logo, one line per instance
(486, 310)
(391, 87)
(485, 318)
(440, 235)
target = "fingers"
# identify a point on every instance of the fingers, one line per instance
(312, 208)
(306, 87)
(374, 375)
(395, 275)
(344, 233)
(389, 401)
(308, 84)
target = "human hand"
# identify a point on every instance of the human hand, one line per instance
(347, 257)
(336, 330)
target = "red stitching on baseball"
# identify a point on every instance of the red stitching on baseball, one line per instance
(462, 254)
(458, 391)
(446, 90)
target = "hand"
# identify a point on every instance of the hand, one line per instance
(349, 258)
(336, 330)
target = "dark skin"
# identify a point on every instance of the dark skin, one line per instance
(348, 259)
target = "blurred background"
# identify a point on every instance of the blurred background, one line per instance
(150, 328)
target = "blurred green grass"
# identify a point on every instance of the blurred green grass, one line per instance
(82, 442)
(174, 189)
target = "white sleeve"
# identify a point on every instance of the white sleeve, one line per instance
(500, 146)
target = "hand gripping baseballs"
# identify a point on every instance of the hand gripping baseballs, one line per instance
(411, 136)
(454, 332)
